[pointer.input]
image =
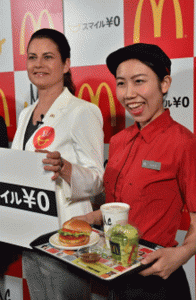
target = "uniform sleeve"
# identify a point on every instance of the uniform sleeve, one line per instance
(88, 138)
(187, 174)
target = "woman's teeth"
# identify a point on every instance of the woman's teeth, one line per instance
(134, 105)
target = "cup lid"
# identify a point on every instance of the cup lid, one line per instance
(117, 206)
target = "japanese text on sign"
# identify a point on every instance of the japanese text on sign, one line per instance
(27, 198)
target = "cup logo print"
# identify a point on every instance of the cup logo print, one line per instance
(107, 221)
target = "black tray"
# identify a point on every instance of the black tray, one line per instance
(42, 244)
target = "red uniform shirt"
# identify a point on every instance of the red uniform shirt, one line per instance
(154, 171)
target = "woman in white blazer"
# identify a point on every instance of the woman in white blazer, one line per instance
(58, 121)
(69, 131)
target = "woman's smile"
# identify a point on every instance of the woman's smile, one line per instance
(135, 108)
(40, 73)
(138, 89)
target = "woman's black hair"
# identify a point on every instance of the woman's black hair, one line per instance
(149, 54)
(160, 72)
(63, 47)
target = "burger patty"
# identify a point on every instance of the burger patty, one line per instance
(72, 240)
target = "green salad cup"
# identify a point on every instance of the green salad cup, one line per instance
(124, 241)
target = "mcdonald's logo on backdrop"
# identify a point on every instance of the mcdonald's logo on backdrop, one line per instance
(95, 97)
(157, 18)
(36, 26)
(1, 43)
(7, 102)
(5, 108)
(166, 23)
(29, 16)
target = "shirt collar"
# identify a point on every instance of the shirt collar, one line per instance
(150, 131)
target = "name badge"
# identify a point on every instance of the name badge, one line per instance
(150, 164)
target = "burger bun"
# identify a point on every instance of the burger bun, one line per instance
(81, 233)
(77, 225)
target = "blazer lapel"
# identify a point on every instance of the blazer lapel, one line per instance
(52, 116)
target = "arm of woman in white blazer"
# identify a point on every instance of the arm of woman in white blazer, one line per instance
(88, 139)
(85, 177)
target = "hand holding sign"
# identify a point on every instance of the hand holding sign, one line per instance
(55, 163)
(28, 205)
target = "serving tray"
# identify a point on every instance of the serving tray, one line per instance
(106, 268)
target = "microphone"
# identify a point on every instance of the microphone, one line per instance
(40, 122)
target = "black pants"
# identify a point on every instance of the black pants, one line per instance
(153, 287)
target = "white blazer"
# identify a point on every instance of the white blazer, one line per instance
(78, 136)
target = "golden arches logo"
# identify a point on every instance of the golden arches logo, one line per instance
(41, 141)
(95, 98)
(157, 15)
(5, 107)
(44, 137)
(36, 26)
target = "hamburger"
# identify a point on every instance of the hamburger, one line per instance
(74, 233)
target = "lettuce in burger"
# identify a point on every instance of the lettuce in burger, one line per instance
(74, 233)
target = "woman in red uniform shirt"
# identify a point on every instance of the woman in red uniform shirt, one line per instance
(152, 167)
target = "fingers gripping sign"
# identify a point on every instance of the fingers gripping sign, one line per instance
(55, 163)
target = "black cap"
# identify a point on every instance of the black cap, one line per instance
(145, 53)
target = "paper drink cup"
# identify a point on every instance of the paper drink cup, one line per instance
(114, 213)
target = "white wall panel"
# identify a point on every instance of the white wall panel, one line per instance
(94, 28)
(6, 49)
